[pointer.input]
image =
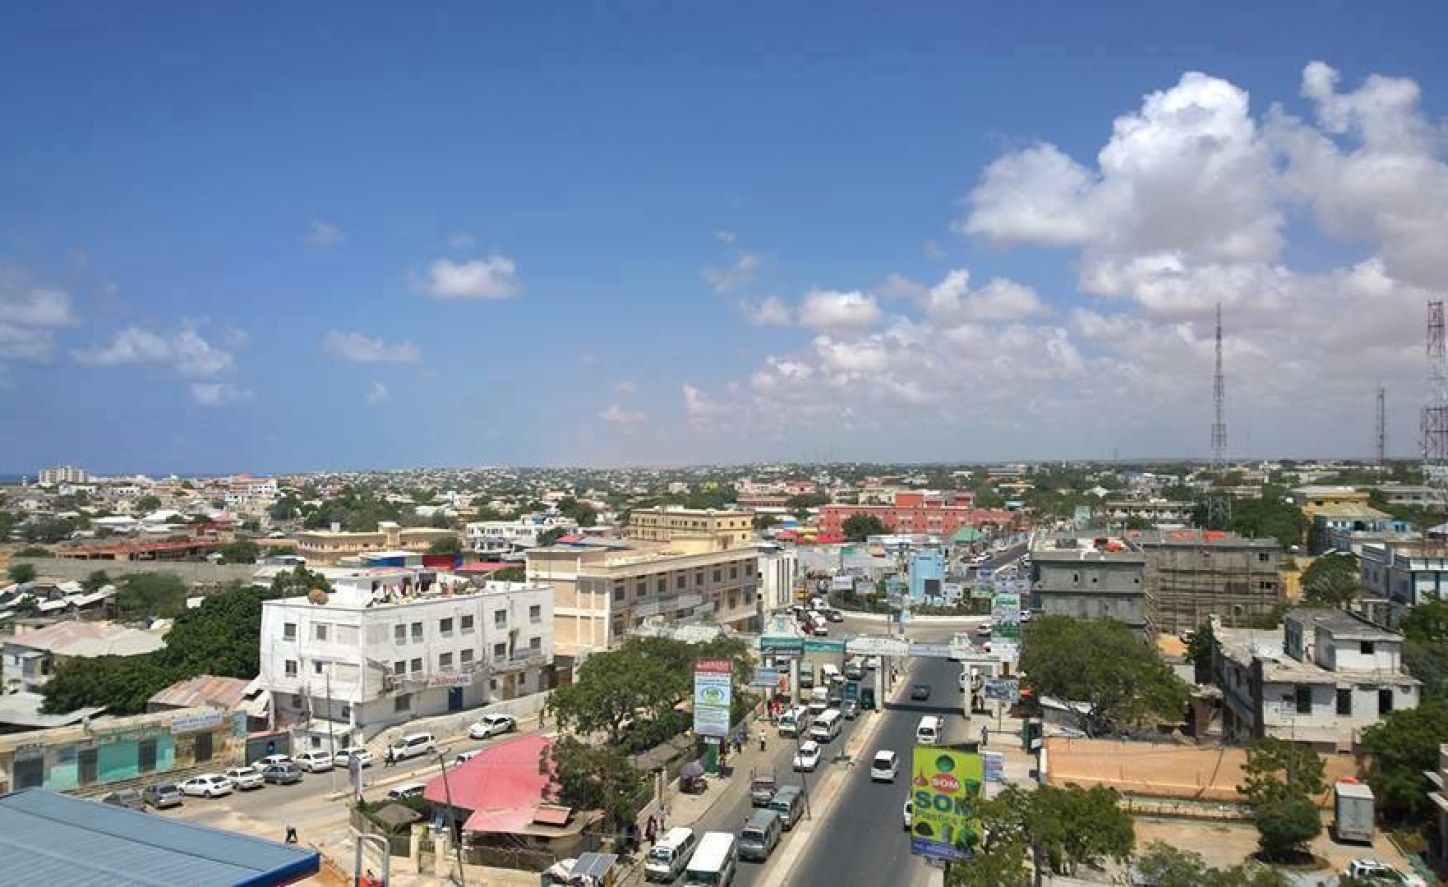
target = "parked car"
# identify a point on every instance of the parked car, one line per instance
(1375, 872)
(245, 778)
(464, 756)
(207, 785)
(850, 709)
(126, 797)
(162, 795)
(834, 615)
(761, 789)
(284, 773)
(983, 630)
(919, 691)
(345, 757)
(314, 761)
(808, 757)
(408, 790)
(267, 761)
(885, 766)
(492, 725)
(412, 745)
(909, 814)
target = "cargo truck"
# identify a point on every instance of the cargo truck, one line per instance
(1353, 812)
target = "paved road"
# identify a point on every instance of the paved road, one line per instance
(863, 841)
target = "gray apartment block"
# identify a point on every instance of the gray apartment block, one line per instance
(1089, 584)
(1193, 574)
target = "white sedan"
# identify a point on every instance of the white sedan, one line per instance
(345, 757)
(492, 725)
(314, 761)
(885, 766)
(245, 778)
(207, 785)
(808, 757)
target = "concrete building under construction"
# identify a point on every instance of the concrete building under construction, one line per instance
(1193, 574)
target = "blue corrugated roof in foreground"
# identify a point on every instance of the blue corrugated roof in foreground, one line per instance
(50, 838)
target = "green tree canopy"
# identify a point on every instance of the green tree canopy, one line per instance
(1163, 865)
(1104, 664)
(147, 504)
(551, 535)
(150, 595)
(1061, 828)
(95, 581)
(1399, 750)
(1427, 621)
(21, 573)
(765, 521)
(1280, 779)
(594, 777)
(1269, 517)
(581, 512)
(613, 688)
(858, 527)
(1200, 650)
(509, 574)
(241, 551)
(1332, 580)
(446, 545)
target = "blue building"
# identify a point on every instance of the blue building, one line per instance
(927, 574)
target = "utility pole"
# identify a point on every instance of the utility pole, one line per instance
(1382, 437)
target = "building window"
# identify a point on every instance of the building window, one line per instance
(641, 588)
(444, 627)
(88, 762)
(399, 667)
(1385, 701)
(618, 594)
(1266, 585)
(1262, 557)
(467, 624)
(1366, 648)
(500, 651)
(679, 581)
(291, 668)
(699, 577)
(1304, 700)
(466, 657)
(402, 702)
(444, 661)
(1344, 702)
(296, 702)
(399, 634)
(146, 755)
(346, 712)
(417, 632)
(535, 613)
(317, 666)
(535, 643)
(319, 631)
(663, 585)
(500, 618)
(748, 568)
(734, 571)
(417, 665)
(289, 631)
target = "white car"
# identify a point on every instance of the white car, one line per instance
(207, 785)
(1380, 873)
(885, 766)
(314, 761)
(245, 778)
(492, 725)
(464, 756)
(269, 760)
(909, 814)
(345, 757)
(808, 757)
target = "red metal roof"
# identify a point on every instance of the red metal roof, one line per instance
(501, 785)
(485, 567)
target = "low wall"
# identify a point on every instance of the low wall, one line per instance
(455, 724)
(190, 572)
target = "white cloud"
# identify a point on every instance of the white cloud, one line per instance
(618, 415)
(218, 394)
(834, 311)
(953, 301)
(495, 277)
(325, 234)
(932, 250)
(29, 316)
(185, 351)
(625, 388)
(744, 269)
(699, 408)
(725, 236)
(769, 311)
(360, 349)
(377, 394)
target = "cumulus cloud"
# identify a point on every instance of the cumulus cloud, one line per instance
(377, 394)
(769, 311)
(725, 236)
(358, 348)
(700, 409)
(29, 316)
(953, 301)
(743, 271)
(324, 234)
(186, 352)
(495, 277)
(619, 416)
(218, 394)
(835, 311)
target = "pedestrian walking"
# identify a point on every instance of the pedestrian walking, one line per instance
(651, 830)
(984, 735)
(291, 834)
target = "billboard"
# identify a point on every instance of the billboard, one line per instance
(1007, 690)
(945, 786)
(713, 696)
(995, 766)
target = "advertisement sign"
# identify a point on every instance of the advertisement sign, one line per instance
(932, 651)
(195, 723)
(995, 766)
(877, 646)
(952, 591)
(451, 679)
(981, 591)
(844, 583)
(765, 677)
(782, 646)
(945, 786)
(1007, 690)
(713, 694)
(815, 646)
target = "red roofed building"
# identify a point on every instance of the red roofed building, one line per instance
(500, 797)
(917, 511)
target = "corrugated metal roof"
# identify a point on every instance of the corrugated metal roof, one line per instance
(41, 830)
(204, 689)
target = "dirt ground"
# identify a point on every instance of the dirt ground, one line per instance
(1227, 844)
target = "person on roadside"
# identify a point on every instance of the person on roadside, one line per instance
(984, 735)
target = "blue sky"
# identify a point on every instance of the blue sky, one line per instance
(282, 237)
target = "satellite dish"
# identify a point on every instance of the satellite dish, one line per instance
(317, 596)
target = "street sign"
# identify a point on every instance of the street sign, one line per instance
(782, 646)
(813, 646)
(945, 785)
(765, 677)
(877, 646)
(1003, 690)
(995, 766)
(931, 651)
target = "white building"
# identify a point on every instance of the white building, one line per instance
(390, 645)
(1322, 679)
(30, 656)
(1404, 574)
(63, 474)
(778, 573)
(499, 537)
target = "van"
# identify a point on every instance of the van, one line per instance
(412, 745)
(760, 835)
(405, 791)
(930, 731)
(794, 721)
(826, 726)
(788, 802)
(829, 672)
(818, 701)
(669, 855)
(713, 862)
(806, 675)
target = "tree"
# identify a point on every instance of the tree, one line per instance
(581, 512)
(1163, 865)
(551, 535)
(21, 573)
(803, 501)
(1332, 580)
(1269, 517)
(1280, 779)
(509, 574)
(1399, 750)
(446, 545)
(1200, 651)
(1428, 662)
(147, 504)
(241, 551)
(95, 581)
(765, 521)
(858, 527)
(594, 777)
(33, 551)
(612, 688)
(150, 595)
(1427, 621)
(1105, 665)
(1061, 829)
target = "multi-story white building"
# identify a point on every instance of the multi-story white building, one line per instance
(1404, 574)
(500, 537)
(388, 645)
(778, 573)
(1322, 679)
(63, 474)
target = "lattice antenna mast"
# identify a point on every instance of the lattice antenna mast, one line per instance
(1219, 403)
(1382, 429)
(1435, 414)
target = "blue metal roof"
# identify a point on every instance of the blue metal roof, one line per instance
(50, 838)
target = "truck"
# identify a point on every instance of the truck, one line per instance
(1353, 812)
(806, 675)
(762, 786)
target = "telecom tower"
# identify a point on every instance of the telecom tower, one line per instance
(1219, 508)
(1435, 414)
(1382, 438)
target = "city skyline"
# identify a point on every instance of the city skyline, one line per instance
(237, 243)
